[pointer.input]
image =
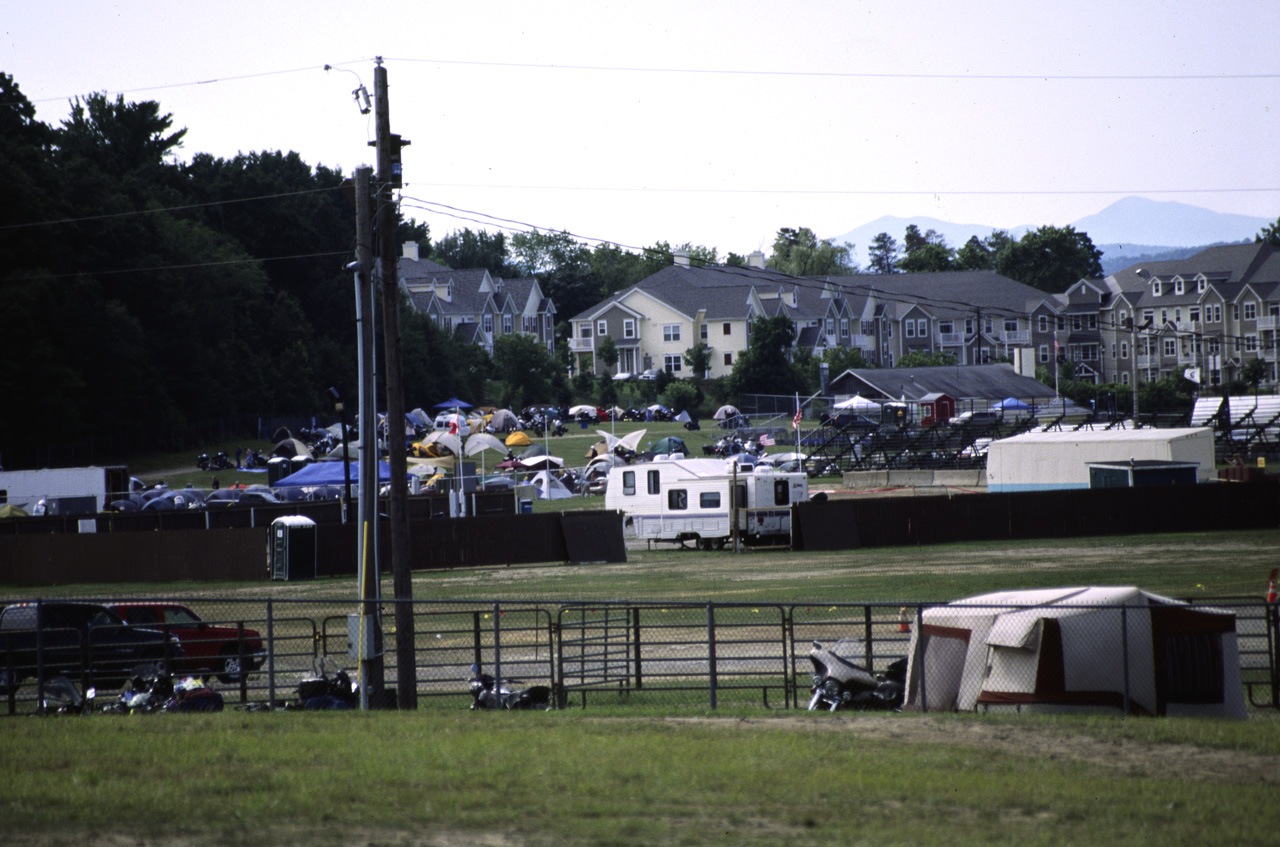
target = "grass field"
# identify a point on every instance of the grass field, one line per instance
(644, 776)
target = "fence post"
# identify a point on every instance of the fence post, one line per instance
(497, 647)
(475, 639)
(921, 646)
(868, 639)
(244, 673)
(635, 624)
(39, 655)
(1124, 651)
(271, 654)
(711, 651)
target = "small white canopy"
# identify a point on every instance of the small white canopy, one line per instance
(550, 488)
(482, 441)
(857, 403)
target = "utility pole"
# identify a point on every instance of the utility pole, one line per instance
(369, 633)
(389, 179)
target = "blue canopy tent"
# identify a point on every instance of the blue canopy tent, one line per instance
(1011, 403)
(329, 473)
(453, 403)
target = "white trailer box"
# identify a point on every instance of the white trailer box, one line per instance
(62, 491)
(680, 499)
(1039, 461)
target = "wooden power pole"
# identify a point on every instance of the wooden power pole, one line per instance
(389, 179)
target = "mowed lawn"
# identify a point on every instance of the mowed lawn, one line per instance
(632, 776)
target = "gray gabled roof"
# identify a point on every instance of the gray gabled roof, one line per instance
(964, 382)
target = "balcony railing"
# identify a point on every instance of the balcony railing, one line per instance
(949, 339)
(1021, 336)
(582, 345)
(1269, 322)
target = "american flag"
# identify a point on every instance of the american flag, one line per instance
(766, 440)
(795, 422)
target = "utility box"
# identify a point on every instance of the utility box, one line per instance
(362, 645)
(293, 548)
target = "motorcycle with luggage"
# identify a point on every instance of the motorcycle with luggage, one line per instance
(841, 683)
(490, 693)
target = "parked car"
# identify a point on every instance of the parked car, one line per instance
(206, 645)
(76, 637)
(445, 419)
(650, 374)
(975, 417)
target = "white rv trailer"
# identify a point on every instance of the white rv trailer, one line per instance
(678, 499)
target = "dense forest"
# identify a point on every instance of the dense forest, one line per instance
(143, 297)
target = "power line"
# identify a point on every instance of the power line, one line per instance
(186, 207)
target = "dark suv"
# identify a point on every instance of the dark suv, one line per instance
(77, 639)
(207, 645)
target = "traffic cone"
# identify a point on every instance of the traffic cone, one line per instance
(904, 618)
(1271, 586)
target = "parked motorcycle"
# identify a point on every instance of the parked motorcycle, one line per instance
(328, 689)
(61, 697)
(839, 683)
(489, 693)
(560, 429)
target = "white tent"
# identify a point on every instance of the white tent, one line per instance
(550, 488)
(857, 403)
(1076, 649)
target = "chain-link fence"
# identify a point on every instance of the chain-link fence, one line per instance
(1136, 656)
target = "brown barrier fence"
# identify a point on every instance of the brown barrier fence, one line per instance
(242, 553)
(842, 524)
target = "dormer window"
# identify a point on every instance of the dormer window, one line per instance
(1202, 285)
(1155, 288)
(1178, 287)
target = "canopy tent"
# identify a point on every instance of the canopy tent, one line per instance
(857, 403)
(329, 473)
(1076, 649)
(452, 403)
(1011, 404)
(444, 438)
(582, 410)
(481, 441)
(533, 462)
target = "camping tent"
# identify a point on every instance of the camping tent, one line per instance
(1076, 649)
(550, 488)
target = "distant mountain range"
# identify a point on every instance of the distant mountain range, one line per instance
(1130, 230)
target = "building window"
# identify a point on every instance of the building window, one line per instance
(1043, 323)
(702, 332)
(1075, 322)
(1124, 318)
(844, 327)
(1044, 353)
(909, 329)
(1178, 287)
(728, 359)
(671, 332)
(831, 326)
(1217, 313)
(1251, 344)
(1124, 349)
(1193, 315)
(968, 326)
(1148, 316)
(1155, 288)
(1202, 285)
(586, 330)
(1250, 310)
(1170, 347)
(488, 324)
(728, 329)
(1011, 326)
(946, 328)
(1124, 378)
(629, 328)
(507, 323)
(868, 327)
(672, 364)
(1061, 322)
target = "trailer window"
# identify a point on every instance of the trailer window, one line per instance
(655, 485)
(709, 499)
(781, 492)
(628, 483)
(677, 498)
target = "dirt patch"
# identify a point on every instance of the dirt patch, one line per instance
(1189, 762)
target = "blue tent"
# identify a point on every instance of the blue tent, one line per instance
(1010, 403)
(453, 403)
(329, 473)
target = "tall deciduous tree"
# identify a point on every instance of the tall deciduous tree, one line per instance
(1050, 258)
(798, 252)
(467, 250)
(1270, 234)
(765, 367)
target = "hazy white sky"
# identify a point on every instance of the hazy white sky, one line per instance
(710, 122)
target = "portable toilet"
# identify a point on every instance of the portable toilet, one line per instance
(293, 548)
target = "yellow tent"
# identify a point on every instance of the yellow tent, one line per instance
(518, 439)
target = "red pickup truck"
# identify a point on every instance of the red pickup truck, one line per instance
(206, 646)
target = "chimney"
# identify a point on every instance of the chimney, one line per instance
(681, 258)
(756, 260)
(411, 250)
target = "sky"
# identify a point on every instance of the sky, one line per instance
(715, 123)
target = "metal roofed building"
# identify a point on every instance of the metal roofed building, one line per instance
(1040, 461)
